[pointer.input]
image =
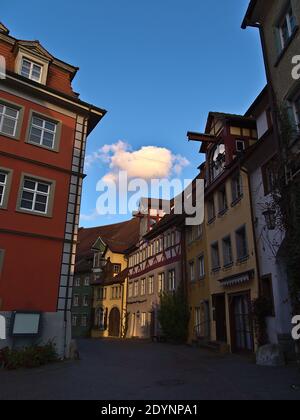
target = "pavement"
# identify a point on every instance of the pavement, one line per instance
(138, 370)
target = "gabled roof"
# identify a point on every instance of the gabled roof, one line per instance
(117, 237)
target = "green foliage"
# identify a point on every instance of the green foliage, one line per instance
(261, 309)
(286, 196)
(28, 357)
(173, 316)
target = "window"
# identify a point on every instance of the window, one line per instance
(287, 28)
(85, 301)
(136, 288)
(143, 319)
(269, 175)
(192, 271)
(8, 120)
(240, 146)
(211, 212)
(77, 282)
(87, 281)
(84, 321)
(76, 301)
(223, 206)
(130, 290)
(117, 268)
(201, 267)
(151, 285)
(74, 320)
(35, 196)
(3, 186)
(161, 283)
(42, 132)
(241, 244)
(143, 287)
(189, 235)
(215, 256)
(100, 319)
(237, 188)
(227, 251)
(172, 281)
(31, 70)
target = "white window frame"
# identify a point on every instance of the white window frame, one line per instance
(136, 288)
(86, 282)
(43, 130)
(201, 266)
(77, 282)
(286, 19)
(76, 301)
(161, 282)
(143, 287)
(85, 301)
(74, 320)
(151, 285)
(35, 192)
(172, 280)
(32, 64)
(4, 186)
(3, 116)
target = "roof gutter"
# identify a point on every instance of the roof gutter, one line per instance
(247, 18)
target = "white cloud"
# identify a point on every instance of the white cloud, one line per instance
(148, 162)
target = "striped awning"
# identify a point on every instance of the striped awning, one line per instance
(238, 279)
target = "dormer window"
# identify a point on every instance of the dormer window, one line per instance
(31, 70)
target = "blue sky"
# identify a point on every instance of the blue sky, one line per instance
(157, 66)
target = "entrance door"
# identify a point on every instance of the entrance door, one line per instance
(220, 318)
(241, 328)
(114, 322)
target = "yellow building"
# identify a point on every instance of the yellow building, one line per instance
(231, 249)
(109, 303)
(197, 276)
(110, 293)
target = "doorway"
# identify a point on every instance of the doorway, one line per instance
(220, 318)
(241, 325)
(114, 322)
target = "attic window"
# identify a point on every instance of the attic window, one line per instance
(31, 70)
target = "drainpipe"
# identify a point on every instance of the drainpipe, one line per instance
(253, 230)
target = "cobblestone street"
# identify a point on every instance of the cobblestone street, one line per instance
(134, 370)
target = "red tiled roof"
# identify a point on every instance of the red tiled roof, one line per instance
(118, 237)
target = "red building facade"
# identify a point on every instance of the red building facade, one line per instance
(43, 131)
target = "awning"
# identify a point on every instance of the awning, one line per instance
(238, 279)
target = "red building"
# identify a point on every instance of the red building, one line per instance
(43, 131)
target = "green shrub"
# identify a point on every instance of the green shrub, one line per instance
(173, 316)
(28, 357)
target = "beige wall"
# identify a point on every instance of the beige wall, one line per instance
(109, 303)
(198, 290)
(236, 217)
